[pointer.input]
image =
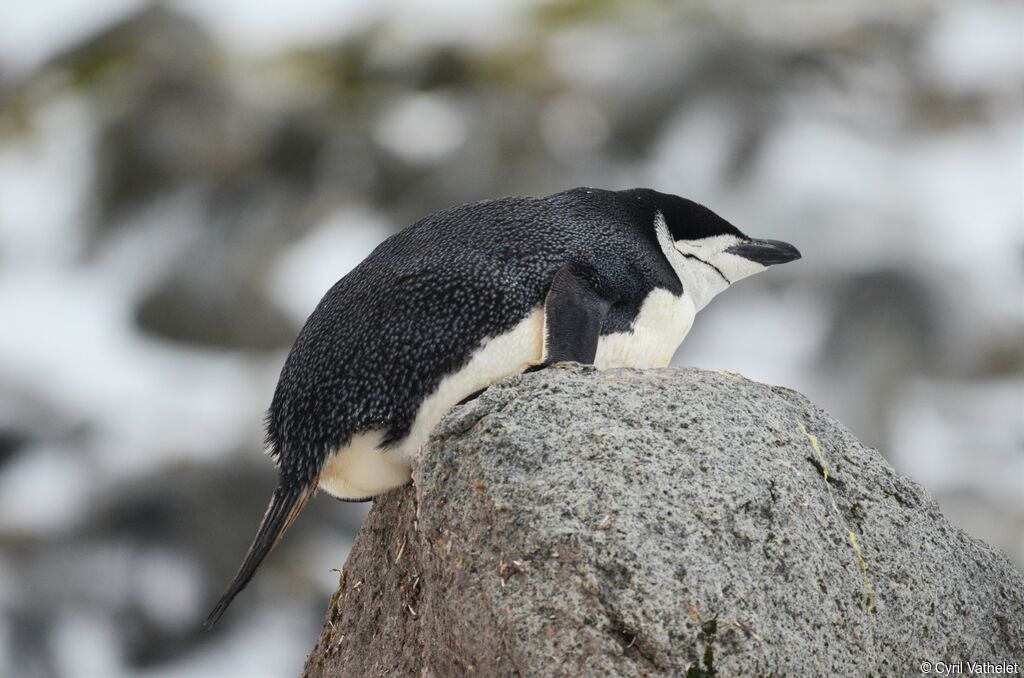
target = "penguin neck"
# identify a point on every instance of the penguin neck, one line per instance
(700, 280)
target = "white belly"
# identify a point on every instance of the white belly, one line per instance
(661, 325)
(361, 469)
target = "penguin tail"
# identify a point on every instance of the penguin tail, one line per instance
(285, 506)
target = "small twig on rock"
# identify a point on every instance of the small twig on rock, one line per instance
(747, 630)
(509, 568)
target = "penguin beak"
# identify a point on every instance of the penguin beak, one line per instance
(765, 252)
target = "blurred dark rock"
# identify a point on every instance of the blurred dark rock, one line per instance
(26, 419)
(231, 317)
(884, 329)
(173, 124)
(157, 83)
(672, 522)
(156, 40)
(10, 442)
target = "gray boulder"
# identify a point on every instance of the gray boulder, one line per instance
(673, 522)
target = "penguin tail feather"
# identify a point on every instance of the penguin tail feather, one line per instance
(285, 506)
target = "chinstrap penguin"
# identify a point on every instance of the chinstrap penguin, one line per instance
(472, 294)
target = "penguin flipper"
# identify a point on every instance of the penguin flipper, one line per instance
(285, 506)
(574, 311)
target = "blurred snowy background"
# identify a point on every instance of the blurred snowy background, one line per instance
(179, 183)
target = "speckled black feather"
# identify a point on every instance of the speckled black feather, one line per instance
(384, 336)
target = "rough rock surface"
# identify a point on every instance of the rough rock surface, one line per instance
(672, 522)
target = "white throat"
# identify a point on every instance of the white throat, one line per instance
(705, 266)
(700, 278)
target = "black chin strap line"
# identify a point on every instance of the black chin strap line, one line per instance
(708, 263)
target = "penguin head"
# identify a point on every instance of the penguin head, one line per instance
(708, 253)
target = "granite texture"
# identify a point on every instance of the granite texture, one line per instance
(673, 522)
